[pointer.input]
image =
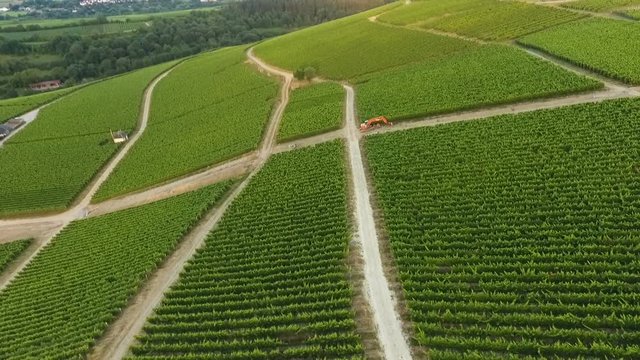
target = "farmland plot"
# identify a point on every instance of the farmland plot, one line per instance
(67, 296)
(10, 108)
(518, 235)
(606, 46)
(271, 281)
(353, 46)
(488, 20)
(600, 5)
(50, 161)
(312, 110)
(489, 75)
(10, 251)
(209, 109)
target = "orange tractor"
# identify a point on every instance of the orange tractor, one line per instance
(375, 122)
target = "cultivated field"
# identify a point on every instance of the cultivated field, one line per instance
(10, 108)
(10, 251)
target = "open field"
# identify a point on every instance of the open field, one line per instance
(11, 108)
(54, 158)
(488, 75)
(488, 19)
(10, 251)
(97, 29)
(312, 110)
(209, 109)
(601, 45)
(271, 282)
(66, 297)
(517, 235)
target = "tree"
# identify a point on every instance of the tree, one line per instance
(309, 72)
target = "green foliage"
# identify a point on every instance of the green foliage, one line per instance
(10, 108)
(346, 48)
(209, 109)
(94, 29)
(518, 235)
(10, 251)
(633, 14)
(270, 282)
(67, 296)
(600, 5)
(56, 156)
(487, 19)
(488, 75)
(312, 110)
(602, 45)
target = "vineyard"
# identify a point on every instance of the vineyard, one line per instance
(601, 45)
(10, 108)
(354, 46)
(57, 155)
(10, 251)
(312, 110)
(600, 5)
(67, 296)
(209, 109)
(489, 75)
(271, 282)
(488, 20)
(518, 235)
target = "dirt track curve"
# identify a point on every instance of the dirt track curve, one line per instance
(121, 334)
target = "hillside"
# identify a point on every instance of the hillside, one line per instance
(451, 179)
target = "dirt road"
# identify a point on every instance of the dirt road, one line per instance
(28, 117)
(380, 297)
(121, 334)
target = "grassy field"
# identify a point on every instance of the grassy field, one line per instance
(488, 19)
(517, 236)
(271, 281)
(487, 75)
(67, 296)
(601, 45)
(353, 46)
(97, 29)
(600, 5)
(54, 158)
(10, 108)
(209, 109)
(10, 251)
(312, 110)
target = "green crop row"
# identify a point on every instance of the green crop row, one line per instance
(66, 297)
(10, 108)
(488, 75)
(353, 46)
(271, 281)
(10, 251)
(599, 5)
(517, 236)
(312, 110)
(603, 45)
(209, 109)
(487, 19)
(52, 159)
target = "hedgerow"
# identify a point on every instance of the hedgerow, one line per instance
(271, 281)
(209, 109)
(69, 293)
(312, 110)
(517, 236)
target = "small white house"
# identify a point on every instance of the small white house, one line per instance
(119, 136)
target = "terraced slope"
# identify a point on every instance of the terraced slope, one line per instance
(209, 109)
(10, 108)
(66, 297)
(517, 236)
(602, 45)
(58, 154)
(10, 251)
(312, 110)
(271, 282)
(485, 19)
(488, 75)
